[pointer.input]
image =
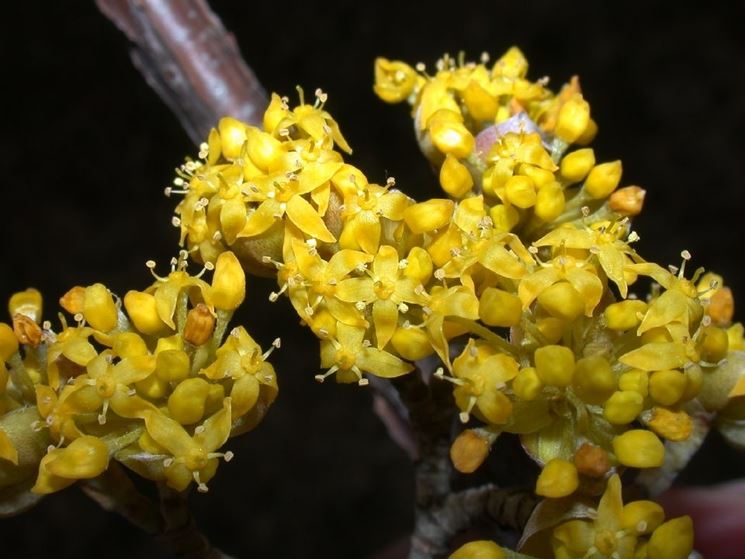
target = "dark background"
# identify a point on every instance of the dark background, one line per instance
(87, 148)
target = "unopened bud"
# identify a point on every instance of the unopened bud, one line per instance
(627, 201)
(469, 450)
(200, 323)
(26, 302)
(26, 330)
(591, 460)
(72, 301)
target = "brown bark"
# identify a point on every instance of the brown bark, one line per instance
(188, 57)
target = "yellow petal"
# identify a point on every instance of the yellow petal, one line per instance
(589, 287)
(261, 219)
(168, 433)
(355, 289)
(571, 238)
(385, 265)
(305, 217)
(382, 364)
(86, 457)
(531, 286)
(216, 429)
(344, 261)
(502, 262)
(656, 356)
(385, 319)
(316, 174)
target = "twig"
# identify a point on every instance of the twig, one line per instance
(114, 491)
(388, 406)
(180, 535)
(188, 57)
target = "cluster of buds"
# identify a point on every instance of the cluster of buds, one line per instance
(147, 380)
(519, 281)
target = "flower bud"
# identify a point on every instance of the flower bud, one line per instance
(480, 103)
(575, 165)
(603, 179)
(623, 407)
(625, 314)
(172, 365)
(573, 119)
(28, 303)
(452, 138)
(499, 308)
(589, 134)
(232, 136)
(411, 343)
(72, 301)
(263, 150)
(455, 178)
(26, 330)
(549, 202)
(639, 448)
(627, 201)
(713, 344)
(187, 402)
(512, 64)
(481, 549)
(430, 215)
(200, 323)
(526, 385)
(99, 309)
(143, 312)
(129, 344)
(591, 461)
(642, 517)
(672, 425)
(504, 217)
(520, 191)
(557, 479)
(672, 540)
(469, 450)
(554, 365)
(8, 342)
(593, 380)
(667, 387)
(228, 283)
(562, 301)
(636, 380)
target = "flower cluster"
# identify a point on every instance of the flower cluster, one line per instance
(146, 380)
(521, 281)
(636, 529)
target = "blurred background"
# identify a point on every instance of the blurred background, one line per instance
(88, 148)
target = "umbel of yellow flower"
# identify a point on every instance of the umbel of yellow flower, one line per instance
(624, 532)
(147, 381)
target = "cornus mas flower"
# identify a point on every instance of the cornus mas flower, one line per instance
(521, 281)
(146, 381)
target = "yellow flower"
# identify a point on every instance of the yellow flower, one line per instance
(192, 457)
(364, 209)
(394, 80)
(84, 458)
(387, 288)
(604, 240)
(281, 194)
(315, 123)
(349, 354)
(602, 538)
(322, 280)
